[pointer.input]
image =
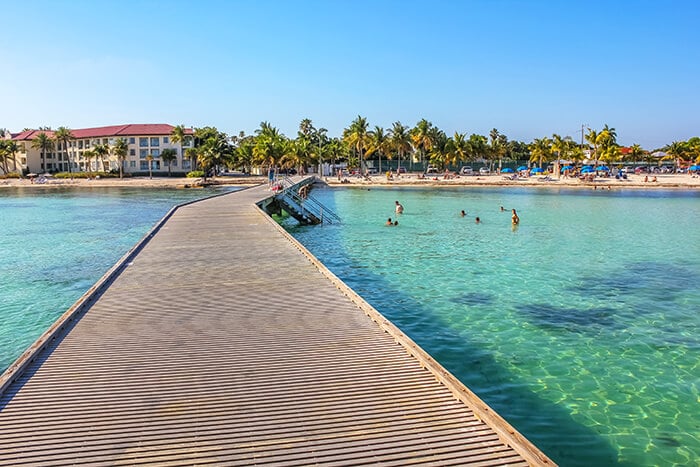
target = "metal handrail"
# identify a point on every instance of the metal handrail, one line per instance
(319, 210)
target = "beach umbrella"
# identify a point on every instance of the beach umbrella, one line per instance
(507, 170)
(521, 168)
(602, 167)
(694, 167)
(536, 170)
(587, 170)
(568, 167)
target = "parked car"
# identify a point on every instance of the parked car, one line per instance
(431, 170)
(466, 170)
(401, 170)
(484, 171)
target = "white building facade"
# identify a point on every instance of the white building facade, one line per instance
(143, 140)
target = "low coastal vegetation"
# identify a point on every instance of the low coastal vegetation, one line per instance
(364, 149)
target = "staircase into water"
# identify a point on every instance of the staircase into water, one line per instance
(305, 208)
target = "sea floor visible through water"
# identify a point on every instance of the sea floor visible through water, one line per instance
(579, 326)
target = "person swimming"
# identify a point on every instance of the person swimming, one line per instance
(515, 219)
(477, 220)
(389, 222)
(462, 213)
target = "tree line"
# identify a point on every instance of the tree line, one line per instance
(426, 144)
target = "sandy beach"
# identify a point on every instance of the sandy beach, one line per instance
(664, 181)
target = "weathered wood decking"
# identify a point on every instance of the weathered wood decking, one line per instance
(221, 342)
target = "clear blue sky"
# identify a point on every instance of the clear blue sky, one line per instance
(527, 68)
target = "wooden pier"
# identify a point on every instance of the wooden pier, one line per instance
(220, 340)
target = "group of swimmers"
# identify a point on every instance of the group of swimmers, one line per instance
(398, 208)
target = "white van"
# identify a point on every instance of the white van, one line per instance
(466, 170)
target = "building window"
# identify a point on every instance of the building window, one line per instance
(143, 142)
(174, 163)
(80, 144)
(166, 140)
(144, 165)
(143, 153)
(155, 141)
(186, 164)
(87, 143)
(132, 164)
(132, 140)
(105, 141)
(155, 152)
(132, 152)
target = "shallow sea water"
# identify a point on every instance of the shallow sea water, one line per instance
(580, 326)
(56, 244)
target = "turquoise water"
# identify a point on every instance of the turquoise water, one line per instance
(580, 326)
(56, 244)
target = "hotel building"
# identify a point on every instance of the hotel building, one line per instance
(142, 140)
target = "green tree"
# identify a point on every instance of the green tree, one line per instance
(421, 136)
(458, 148)
(497, 147)
(168, 155)
(44, 144)
(270, 146)
(88, 155)
(358, 138)
(678, 151)
(64, 136)
(379, 144)
(400, 140)
(100, 151)
(541, 151)
(121, 149)
(478, 147)
(592, 138)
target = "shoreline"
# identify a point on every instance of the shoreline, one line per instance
(664, 181)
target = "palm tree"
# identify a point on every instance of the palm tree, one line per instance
(379, 144)
(677, 150)
(498, 146)
(168, 156)
(43, 143)
(400, 140)
(421, 136)
(540, 150)
(121, 149)
(478, 146)
(458, 148)
(8, 151)
(592, 138)
(150, 158)
(269, 146)
(88, 155)
(99, 150)
(358, 137)
(179, 135)
(63, 136)
(561, 145)
(637, 153)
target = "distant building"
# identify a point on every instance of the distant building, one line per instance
(142, 140)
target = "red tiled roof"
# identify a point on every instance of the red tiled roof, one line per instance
(146, 129)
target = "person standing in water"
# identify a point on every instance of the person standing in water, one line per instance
(515, 219)
(399, 208)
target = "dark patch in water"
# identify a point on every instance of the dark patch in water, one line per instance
(651, 279)
(669, 441)
(473, 299)
(569, 319)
